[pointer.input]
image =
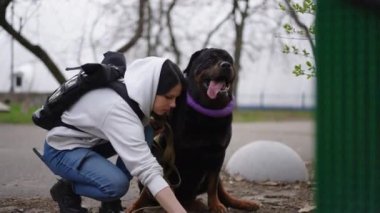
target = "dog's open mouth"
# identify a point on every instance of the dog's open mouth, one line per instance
(215, 87)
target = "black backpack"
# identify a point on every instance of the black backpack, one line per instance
(91, 76)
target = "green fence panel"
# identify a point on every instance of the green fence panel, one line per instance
(348, 107)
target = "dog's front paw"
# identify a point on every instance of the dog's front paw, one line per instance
(131, 209)
(218, 208)
(249, 205)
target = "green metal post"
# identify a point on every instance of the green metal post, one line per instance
(348, 108)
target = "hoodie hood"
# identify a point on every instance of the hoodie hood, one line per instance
(141, 80)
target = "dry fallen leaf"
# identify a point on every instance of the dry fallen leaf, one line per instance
(307, 209)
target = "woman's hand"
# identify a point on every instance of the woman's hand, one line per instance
(169, 202)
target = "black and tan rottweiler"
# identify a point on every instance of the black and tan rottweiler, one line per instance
(201, 125)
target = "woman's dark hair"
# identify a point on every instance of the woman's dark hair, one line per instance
(170, 76)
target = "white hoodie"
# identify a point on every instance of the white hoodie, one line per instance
(103, 115)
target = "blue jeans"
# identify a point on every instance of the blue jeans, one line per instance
(88, 169)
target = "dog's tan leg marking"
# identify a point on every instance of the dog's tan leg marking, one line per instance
(144, 200)
(234, 202)
(196, 205)
(214, 203)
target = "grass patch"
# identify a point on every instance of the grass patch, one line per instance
(17, 114)
(272, 115)
(23, 115)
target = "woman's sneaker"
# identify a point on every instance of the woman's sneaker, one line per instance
(68, 202)
(111, 207)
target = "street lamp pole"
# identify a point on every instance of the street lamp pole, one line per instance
(12, 52)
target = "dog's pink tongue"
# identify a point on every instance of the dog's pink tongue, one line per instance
(214, 88)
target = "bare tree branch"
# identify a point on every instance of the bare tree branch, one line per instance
(34, 49)
(216, 28)
(157, 39)
(94, 43)
(139, 29)
(81, 44)
(172, 37)
(294, 15)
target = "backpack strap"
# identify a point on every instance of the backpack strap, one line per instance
(121, 89)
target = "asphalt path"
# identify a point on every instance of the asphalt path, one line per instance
(22, 174)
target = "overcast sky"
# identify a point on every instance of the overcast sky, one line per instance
(59, 26)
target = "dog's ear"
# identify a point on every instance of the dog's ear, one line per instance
(192, 59)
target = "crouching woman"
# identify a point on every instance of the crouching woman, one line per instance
(107, 125)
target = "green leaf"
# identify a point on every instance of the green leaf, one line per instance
(288, 28)
(305, 53)
(295, 50)
(298, 70)
(285, 49)
(312, 29)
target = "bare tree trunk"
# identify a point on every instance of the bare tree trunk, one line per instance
(157, 39)
(34, 49)
(150, 48)
(239, 21)
(173, 42)
(139, 29)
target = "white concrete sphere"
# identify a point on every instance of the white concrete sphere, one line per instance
(267, 161)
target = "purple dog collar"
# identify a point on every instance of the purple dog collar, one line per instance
(210, 112)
